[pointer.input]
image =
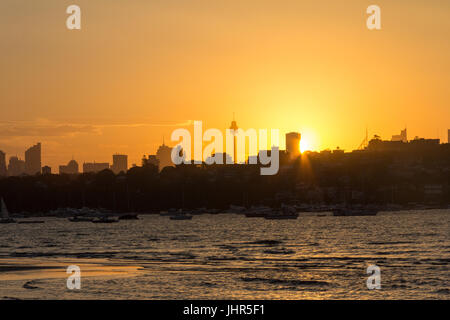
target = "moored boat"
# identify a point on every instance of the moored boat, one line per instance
(285, 213)
(169, 213)
(181, 217)
(281, 216)
(349, 212)
(105, 220)
(258, 212)
(129, 216)
(30, 222)
(80, 219)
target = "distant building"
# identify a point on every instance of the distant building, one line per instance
(152, 159)
(95, 167)
(3, 170)
(234, 129)
(46, 170)
(225, 158)
(376, 144)
(164, 156)
(120, 163)
(70, 168)
(415, 145)
(283, 156)
(421, 142)
(16, 167)
(448, 139)
(403, 136)
(33, 160)
(338, 151)
(293, 144)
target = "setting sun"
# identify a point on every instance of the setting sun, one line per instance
(308, 140)
(305, 145)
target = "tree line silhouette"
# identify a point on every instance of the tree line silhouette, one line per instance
(314, 178)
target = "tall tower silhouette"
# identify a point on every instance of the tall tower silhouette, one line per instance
(234, 127)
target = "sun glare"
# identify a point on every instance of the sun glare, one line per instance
(308, 141)
(304, 145)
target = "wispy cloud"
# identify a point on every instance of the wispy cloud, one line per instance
(48, 128)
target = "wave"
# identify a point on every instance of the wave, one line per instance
(30, 285)
(266, 242)
(279, 251)
(291, 282)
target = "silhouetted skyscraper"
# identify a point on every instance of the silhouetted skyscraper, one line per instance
(293, 144)
(70, 168)
(3, 171)
(448, 139)
(234, 127)
(164, 156)
(33, 160)
(16, 167)
(120, 163)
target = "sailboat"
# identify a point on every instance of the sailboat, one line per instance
(5, 214)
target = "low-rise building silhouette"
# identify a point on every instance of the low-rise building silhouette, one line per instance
(70, 168)
(225, 158)
(94, 167)
(151, 160)
(46, 170)
(403, 136)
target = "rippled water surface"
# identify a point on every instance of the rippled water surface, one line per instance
(228, 256)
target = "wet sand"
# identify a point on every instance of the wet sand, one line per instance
(32, 269)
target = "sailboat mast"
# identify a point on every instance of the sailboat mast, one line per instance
(4, 210)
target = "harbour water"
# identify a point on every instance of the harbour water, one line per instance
(228, 256)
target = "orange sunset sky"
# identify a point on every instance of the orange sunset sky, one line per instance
(138, 69)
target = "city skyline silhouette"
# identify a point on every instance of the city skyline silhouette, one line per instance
(314, 68)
